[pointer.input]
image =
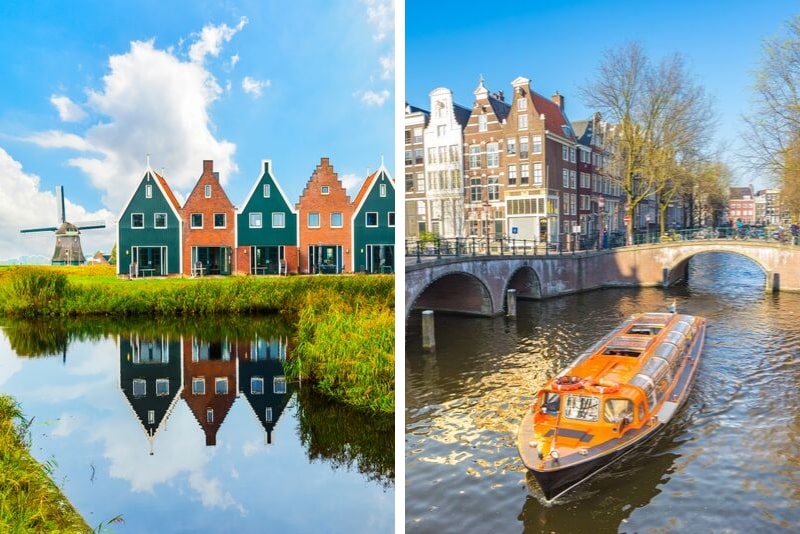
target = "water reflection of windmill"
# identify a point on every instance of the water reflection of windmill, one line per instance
(68, 249)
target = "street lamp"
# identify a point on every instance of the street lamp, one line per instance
(600, 205)
(486, 208)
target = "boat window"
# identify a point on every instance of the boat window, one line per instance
(667, 352)
(551, 403)
(616, 409)
(641, 412)
(582, 407)
(648, 387)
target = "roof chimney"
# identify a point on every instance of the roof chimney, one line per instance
(558, 99)
(208, 165)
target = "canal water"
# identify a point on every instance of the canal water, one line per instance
(186, 426)
(730, 462)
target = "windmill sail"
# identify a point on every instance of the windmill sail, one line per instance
(68, 249)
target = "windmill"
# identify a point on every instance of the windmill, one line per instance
(68, 242)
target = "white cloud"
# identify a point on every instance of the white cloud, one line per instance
(371, 98)
(380, 15)
(351, 182)
(68, 110)
(155, 104)
(23, 205)
(254, 87)
(234, 60)
(211, 39)
(387, 66)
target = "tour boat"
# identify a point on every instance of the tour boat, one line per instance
(613, 397)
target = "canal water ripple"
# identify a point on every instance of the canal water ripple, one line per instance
(727, 463)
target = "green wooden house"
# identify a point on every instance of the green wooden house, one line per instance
(149, 230)
(374, 223)
(266, 229)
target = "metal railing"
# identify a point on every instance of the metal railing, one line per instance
(481, 246)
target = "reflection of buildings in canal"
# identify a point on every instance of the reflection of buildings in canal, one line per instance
(150, 378)
(262, 381)
(211, 379)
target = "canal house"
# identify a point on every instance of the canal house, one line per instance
(210, 376)
(324, 217)
(374, 223)
(266, 228)
(210, 227)
(150, 230)
(151, 379)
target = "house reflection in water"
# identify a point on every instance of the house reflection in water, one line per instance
(262, 381)
(209, 374)
(151, 379)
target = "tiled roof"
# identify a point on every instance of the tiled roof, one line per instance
(555, 119)
(414, 109)
(500, 108)
(164, 187)
(365, 187)
(462, 114)
(741, 193)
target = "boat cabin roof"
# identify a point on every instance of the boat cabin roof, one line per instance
(627, 345)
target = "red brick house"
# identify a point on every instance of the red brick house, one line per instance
(324, 223)
(209, 221)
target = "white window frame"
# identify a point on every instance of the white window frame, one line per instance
(141, 385)
(278, 219)
(325, 190)
(218, 381)
(383, 190)
(522, 122)
(267, 190)
(224, 220)
(483, 122)
(367, 219)
(134, 226)
(148, 191)
(279, 385)
(155, 220)
(391, 219)
(340, 223)
(256, 224)
(198, 381)
(536, 147)
(315, 215)
(256, 380)
(207, 191)
(492, 155)
(191, 220)
(160, 382)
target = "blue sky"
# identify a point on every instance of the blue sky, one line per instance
(559, 46)
(90, 88)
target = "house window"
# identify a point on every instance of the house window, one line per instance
(522, 122)
(383, 190)
(572, 155)
(564, 153)
(494, 188)
(267, 190)
(148, 191)
(208, 191)
(537, 174)
(475, 190)
(137, 220)
(198, 386)
(391, 219)
(160, 220)
(523, 174)
(492, 155)
(221, 385)
(512, 175)
(278, 219)
(474, 156)
(523, 147)
(151, 417)
(336, 219)
(409, 157)
(482, 123)
(313, 220)
(372, 219)
(257, 385)
(325, 189)
(139, 387)
(511, 146)
(537, 144)
(279, 384)
(197, 220)
(268, 414)
(219, 220)
(162, 387)
(209, 415)
(419, 156)
(522, 104)
(565, 178)
(255, 219)
(441, 130)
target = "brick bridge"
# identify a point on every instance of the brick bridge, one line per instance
(477, 285)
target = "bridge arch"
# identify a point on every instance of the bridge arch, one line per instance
(456, 292)
(525, 280)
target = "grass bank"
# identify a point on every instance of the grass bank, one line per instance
(29, 500)
(345, 324)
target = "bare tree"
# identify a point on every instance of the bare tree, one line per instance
(662, 122)
(773, 133)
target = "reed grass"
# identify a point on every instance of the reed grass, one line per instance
(29, 500)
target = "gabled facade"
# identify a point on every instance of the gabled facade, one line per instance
(485, 147)
(444, 165)
(324, 218)
(374, 223)
(267, 231)
(416, 120)
(150, 230)
(209, 227)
